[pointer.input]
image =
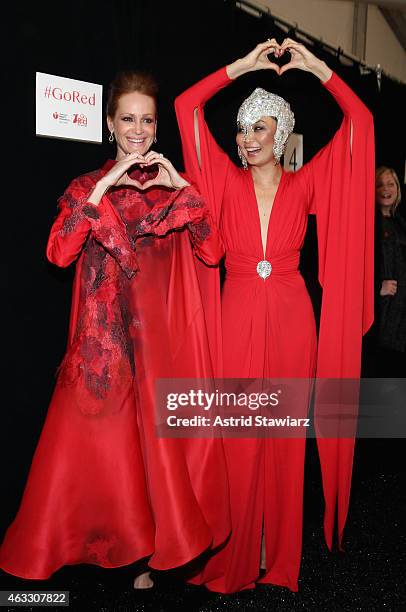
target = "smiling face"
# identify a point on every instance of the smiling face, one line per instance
(256, 143)
(134, 123)
(386, 192)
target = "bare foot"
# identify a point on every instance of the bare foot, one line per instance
(143, 581)
(263, 556)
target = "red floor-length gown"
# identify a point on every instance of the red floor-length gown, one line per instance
(102, 488)
(268, 327)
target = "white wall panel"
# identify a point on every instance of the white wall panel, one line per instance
(332, 20)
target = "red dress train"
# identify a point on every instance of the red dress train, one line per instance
(268, 327)
(102, 488)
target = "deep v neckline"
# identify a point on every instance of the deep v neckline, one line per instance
(275, 200)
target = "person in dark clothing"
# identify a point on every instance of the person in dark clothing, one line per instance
(390, 277)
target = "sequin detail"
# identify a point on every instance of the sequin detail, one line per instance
(262, 103)
(264, 269)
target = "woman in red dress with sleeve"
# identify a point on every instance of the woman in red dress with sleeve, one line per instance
(267, 321)
(102, 488)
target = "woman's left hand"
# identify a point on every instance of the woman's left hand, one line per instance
(303, 59)
(167, 175)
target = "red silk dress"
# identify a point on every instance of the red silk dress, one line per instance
(102, 488)
(268, 327)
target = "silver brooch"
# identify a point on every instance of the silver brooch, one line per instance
(264, 269)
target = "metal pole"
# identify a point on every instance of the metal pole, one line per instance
(359, 30)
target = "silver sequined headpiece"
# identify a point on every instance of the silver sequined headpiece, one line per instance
(261, 103)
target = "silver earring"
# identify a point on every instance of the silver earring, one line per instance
(156, 125)
(111, 137)
(242, 158)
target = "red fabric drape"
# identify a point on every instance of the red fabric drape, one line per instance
(102, 488)
(272, 320)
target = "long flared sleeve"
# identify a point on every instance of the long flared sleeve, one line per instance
(340, 187)
(205, 162)
(78, 218)
(71, 227)
(209, 168)
(206, 240)
(186, 208)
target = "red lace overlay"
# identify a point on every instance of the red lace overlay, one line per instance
(99, 365)
(103, 488)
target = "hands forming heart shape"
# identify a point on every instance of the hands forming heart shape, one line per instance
(140, 172)
(122, 173)
(300, 56)
(278, 57)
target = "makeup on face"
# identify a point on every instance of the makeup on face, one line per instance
(134, 124)
(256, 141)
(263, 105)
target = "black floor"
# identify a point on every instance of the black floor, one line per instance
(369, 576)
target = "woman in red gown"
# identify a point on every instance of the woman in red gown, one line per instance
(103, 489)
(267, 321)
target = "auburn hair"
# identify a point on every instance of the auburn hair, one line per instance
(128, 81)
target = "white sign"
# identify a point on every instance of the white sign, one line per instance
(293, 158)
(68, 109)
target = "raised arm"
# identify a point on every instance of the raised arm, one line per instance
(349, 140)
(339, 183)
(189, 108)
(205, 162)
(354, 110)
(355, 130)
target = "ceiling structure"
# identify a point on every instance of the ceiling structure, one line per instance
(394, 12)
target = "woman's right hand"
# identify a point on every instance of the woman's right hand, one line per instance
(389, 287)
(257, 59)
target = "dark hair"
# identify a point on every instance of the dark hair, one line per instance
(128, 81)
